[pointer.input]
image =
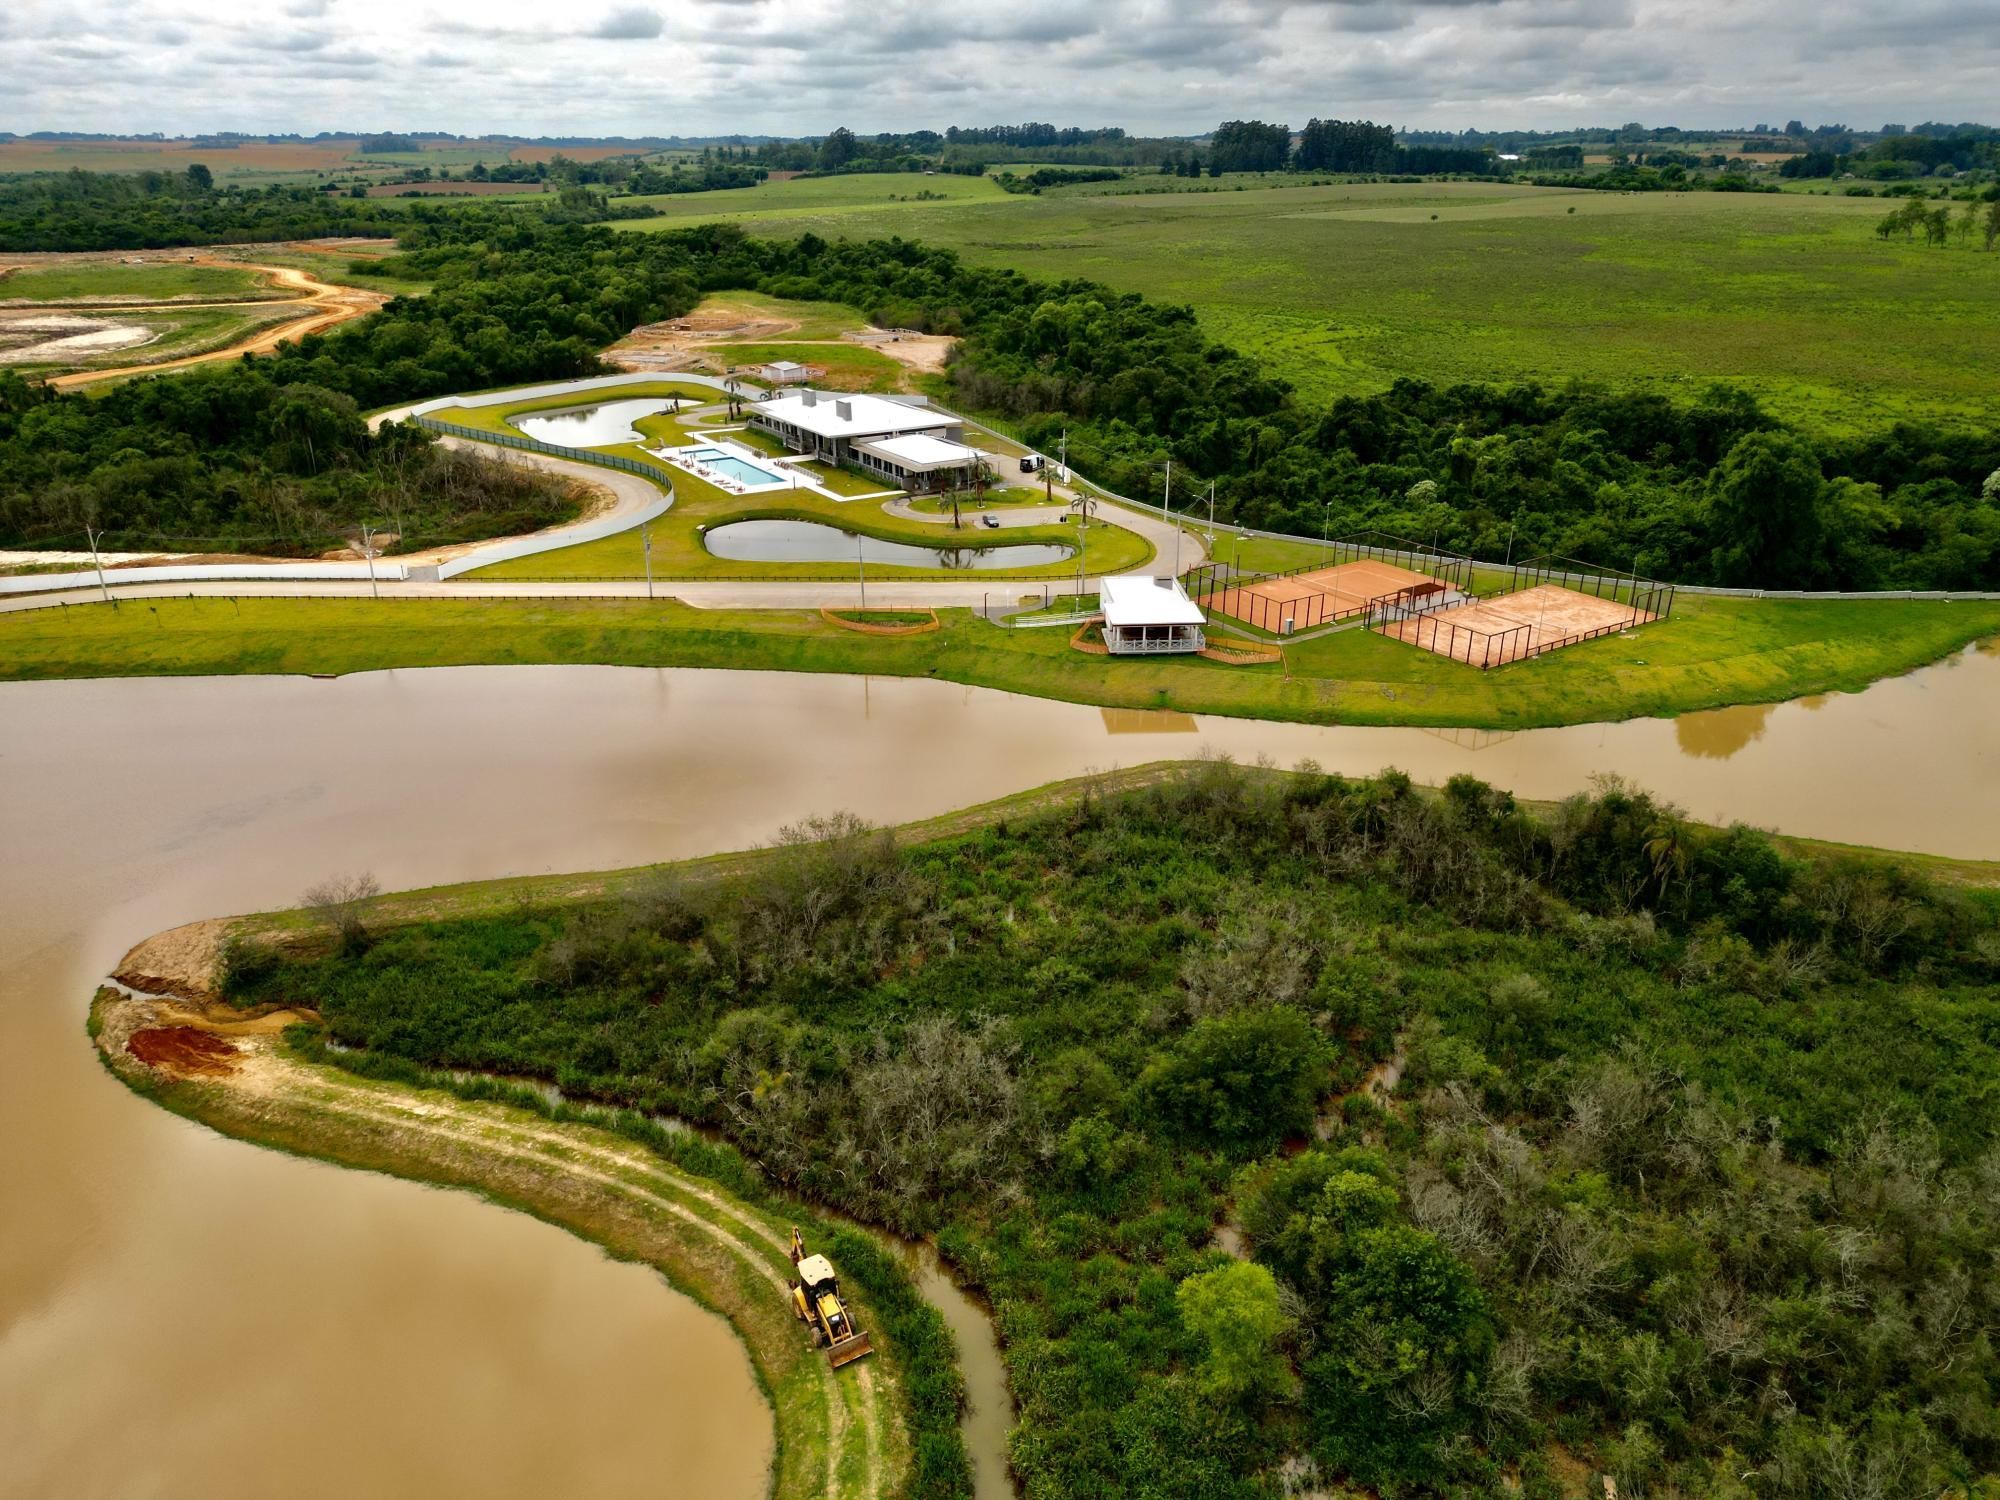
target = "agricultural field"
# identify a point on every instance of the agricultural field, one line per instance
(1347, 287)
(835, 197)
(153, 281)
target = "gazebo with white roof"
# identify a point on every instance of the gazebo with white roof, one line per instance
(1145, 616)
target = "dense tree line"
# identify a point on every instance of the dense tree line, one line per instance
(1689, 1176)
(150, 210)
(236, 462)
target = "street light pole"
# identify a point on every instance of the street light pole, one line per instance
(92, 537)
(646, 541)
(861, 572)
(368, 551)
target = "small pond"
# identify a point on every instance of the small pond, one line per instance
(811, 541)
(598, 426)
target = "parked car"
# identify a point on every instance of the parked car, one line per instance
(990, 522)
(1031, 463)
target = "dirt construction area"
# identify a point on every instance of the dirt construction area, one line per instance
(1318, 597)
(1512, 627)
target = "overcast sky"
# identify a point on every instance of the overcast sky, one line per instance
(697, 67)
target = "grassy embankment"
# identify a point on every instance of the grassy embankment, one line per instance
(677, 547)
(1713, 652)
(1791, 297)
(644, 1195)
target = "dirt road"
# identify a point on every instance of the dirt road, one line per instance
(323, 305)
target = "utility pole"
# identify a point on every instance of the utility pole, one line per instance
(861, 572)
(368, 551)
(646, 542)
(92, 537)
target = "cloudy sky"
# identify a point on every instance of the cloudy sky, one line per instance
(664, 67)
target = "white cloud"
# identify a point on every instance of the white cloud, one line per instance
(1153, 66)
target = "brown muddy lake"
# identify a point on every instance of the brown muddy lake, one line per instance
(184, 1315)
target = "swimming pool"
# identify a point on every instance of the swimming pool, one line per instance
(732, 467)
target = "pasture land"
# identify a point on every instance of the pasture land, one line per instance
(153, 281)
(1344, 288)
(836, 197)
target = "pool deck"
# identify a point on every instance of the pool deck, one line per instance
(786, 473)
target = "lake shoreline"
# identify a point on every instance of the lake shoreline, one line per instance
(842, 1434)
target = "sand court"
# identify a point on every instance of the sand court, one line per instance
(1513, 627)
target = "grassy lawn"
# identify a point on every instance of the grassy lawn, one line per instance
(152, 282)
(678, 551)
(849, 367)
(1790, 296)
(754, 438)
(1714, 652)
(843, 481)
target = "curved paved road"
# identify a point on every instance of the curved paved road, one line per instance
(631, 496)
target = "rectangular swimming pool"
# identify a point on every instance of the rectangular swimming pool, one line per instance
(734, 467)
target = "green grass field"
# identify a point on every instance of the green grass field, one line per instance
(157, 281)
(810, 195)
(1712, 653)
(1346, 287)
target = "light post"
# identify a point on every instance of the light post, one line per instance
(92, 538)
(368, 551)
(861, 572)
(646, 543)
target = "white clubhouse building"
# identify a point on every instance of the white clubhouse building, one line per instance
(916, 448)
(1145, 616)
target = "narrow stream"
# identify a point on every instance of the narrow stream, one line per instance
(175, 1307)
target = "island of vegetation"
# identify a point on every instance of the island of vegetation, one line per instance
(1302, 1132)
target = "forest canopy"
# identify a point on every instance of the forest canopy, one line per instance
(1589, 1136)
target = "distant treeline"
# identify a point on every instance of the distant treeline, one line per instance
(1712, 491)
(151, 210)
(1965, 149)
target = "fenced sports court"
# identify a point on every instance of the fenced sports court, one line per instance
(1357, 574)
(1550, 603)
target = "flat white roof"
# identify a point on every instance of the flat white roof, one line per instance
(1141, 599)
(867, 416)
(784, 364)
(921, 451)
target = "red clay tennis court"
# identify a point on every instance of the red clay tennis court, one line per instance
(1316, 596)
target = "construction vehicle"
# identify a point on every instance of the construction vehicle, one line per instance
(817, 1302)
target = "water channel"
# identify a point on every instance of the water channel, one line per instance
(184, 1315)
(810, 541)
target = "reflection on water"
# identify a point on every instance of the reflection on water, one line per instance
(599, 426)
(205, 1294)
(1473, 739)
(1718, 733)
(1148, 721)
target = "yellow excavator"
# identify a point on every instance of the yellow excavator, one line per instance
(817, 1302)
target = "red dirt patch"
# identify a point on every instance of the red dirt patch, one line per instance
(182, 1049)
